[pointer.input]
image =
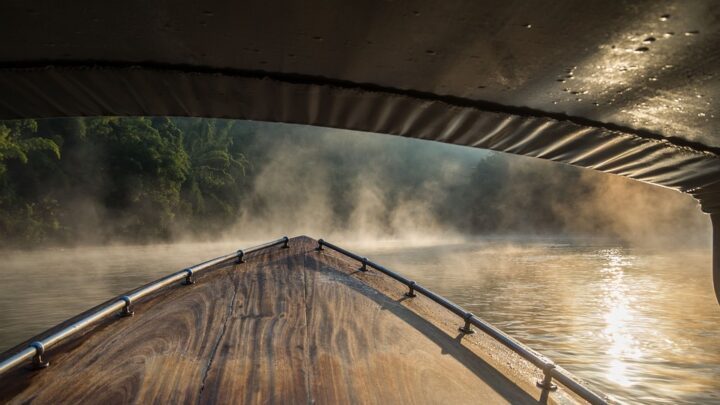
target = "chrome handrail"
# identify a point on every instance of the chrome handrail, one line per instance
(36, 350)
(547, 366)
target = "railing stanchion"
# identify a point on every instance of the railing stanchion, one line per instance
(240, 255)
(364, 262)
(467, 328)
(190, 278)
(320, 245)
(411, 291)
(285, 244)
(39, 361)
(546, 383)
(127, 310)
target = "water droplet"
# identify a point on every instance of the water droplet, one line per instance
(698, 95)
(642, 49)
(430, 52)
(653, 79)
(649, 40)
(701, 114)
(575, 92)
(528, 26)
(578, 99)
(691, 33)
(566, 90)
(664, 17)
(668, 34)
(555, 102)
(596, 104)
(561, 80)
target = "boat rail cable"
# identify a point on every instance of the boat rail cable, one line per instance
(35, 351)
(548, 367)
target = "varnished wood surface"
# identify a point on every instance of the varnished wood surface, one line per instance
(288, 326)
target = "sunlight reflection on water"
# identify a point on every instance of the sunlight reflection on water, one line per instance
(621, 344)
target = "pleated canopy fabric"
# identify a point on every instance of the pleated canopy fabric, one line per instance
(625, 87)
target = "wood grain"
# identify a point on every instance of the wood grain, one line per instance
(288, 326)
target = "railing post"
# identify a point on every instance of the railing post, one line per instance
(285, 244)
(127, 309)
(546, 383)
(411, 291)
(467, 329)
(38, 361)
(190, 278)
(320, 245)
(364, 262)
(240, 254)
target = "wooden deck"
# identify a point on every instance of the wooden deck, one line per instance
(289, 326)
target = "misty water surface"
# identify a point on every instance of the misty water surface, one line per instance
(641, 324)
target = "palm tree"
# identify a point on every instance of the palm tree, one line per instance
(212, 187)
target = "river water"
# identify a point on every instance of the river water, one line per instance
(642, 325)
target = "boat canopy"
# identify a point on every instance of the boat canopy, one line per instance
(625, 87)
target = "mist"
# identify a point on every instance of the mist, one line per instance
(360, 187)
(185, 180)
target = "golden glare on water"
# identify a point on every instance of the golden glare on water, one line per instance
(617, 309)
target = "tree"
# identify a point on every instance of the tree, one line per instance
(24, 220)
(213, 188)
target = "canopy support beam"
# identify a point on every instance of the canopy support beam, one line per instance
(715, 219)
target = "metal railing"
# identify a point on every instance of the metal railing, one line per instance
(550, 371)
(123, 304)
